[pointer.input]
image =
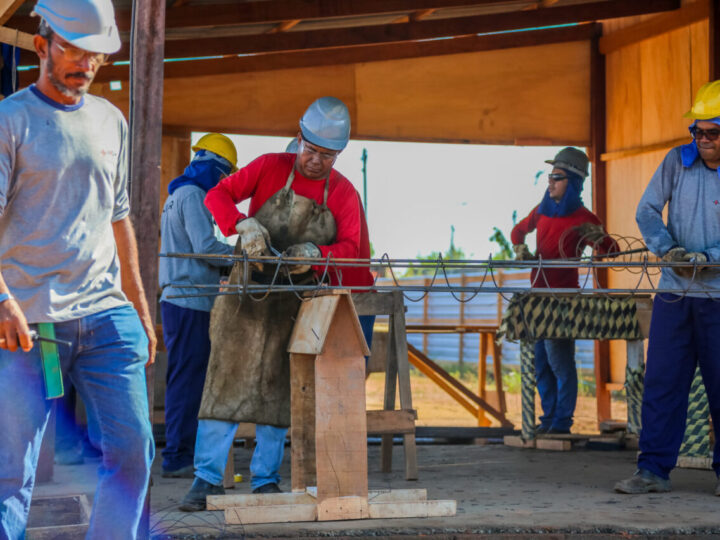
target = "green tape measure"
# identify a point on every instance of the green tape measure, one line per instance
(50, 362)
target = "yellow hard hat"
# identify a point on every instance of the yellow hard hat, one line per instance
(219, 144)
(707, 102)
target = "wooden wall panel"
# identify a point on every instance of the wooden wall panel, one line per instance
(665, 76)
(495, 97)
(624, 99)
(700, 60)
(529, 95)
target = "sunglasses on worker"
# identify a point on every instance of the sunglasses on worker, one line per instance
(557, 177)
(709, 134)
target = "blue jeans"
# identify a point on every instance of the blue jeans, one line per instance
(214, 440)
(683, 334)
(187, 340)
(557, 382)
(106, 363)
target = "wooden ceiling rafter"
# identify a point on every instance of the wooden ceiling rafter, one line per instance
(8, 9)
(284, 26)
(301, 59)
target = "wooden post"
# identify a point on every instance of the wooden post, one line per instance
(482, 378)
(147, 41)
(599, 185)
(714, 40)
(303, 473)
(461, 342)
(426, 305)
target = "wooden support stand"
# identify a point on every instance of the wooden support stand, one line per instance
(328, 429)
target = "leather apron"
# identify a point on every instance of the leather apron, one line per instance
(248, 376)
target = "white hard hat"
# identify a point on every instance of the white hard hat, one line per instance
(326, 123)
(86, 24)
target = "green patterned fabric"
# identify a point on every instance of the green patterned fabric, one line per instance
(546, 316)
(696, 442)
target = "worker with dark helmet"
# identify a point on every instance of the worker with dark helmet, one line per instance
(300, 206)
(684, 328)
(564, 228)
(187, 227)
(65, 241)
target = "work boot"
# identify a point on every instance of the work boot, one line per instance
(717, 488)
(558, 431)
(188, 471)
(643, 481)
(541, 430)
(268, 488)
(195, 499)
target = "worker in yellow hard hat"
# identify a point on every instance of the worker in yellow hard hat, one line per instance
(684, 328)
(187, 227)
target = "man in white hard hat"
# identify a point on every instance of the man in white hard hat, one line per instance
(187, 227)
(684, 328)
(300, 205)
(65, 239)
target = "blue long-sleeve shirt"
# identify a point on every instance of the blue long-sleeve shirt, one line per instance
(691, 192)
(186, 227)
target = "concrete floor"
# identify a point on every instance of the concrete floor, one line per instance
(499, 490)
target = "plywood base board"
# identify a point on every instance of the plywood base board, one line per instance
(691, 462)
(553, 444)
(291, 507)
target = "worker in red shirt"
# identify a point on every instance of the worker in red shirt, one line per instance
(302, 207)
(564, 227)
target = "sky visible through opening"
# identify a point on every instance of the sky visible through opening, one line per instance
(417, 191)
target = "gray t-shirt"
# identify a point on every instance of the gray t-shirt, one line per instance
(63, 182)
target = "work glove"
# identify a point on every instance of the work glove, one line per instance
(680, 254)
(590, 232)
(522, 253)
(305, 250)
(254, 238)
(694, 257)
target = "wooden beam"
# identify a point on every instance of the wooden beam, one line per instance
(284, 26)
(8, 8)
(17, 38)
(714, 40)
(413, 31)
(638, 150)
(655, 26)
(415, 16)
(145, 158)
(352, 55)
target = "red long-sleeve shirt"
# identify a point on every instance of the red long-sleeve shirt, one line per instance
(549, 232)
(265, 176)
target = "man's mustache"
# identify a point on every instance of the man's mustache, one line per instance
(80, 75)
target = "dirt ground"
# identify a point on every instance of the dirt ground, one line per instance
(437, 408)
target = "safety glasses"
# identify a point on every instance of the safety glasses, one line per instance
(709, 134)
(73, 54)
(312, 152)
(557, 177)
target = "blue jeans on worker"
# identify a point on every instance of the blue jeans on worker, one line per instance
(187, 341)
(557, 382)
(683, 334)
(106, 363)
(214, 440)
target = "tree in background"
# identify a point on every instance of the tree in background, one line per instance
(505, 246)
(452, 253)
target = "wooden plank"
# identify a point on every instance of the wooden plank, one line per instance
(687, 462)
(229, 473)
(341, 508)
(518, 442)
(397, 495)
(421, 509)
(340, 418)
(378, 354)
(393, 422)
(8, 8)
(639, 150)
(655, 26)
(412, 31)
(553, 444)
(302, 421)
(17, 38)
(391, 373)
(373, 303)
(313, 324)
(271, 514)
(221, 502)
